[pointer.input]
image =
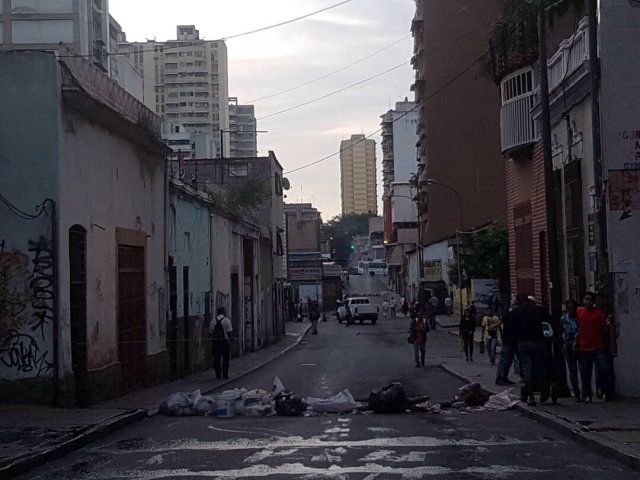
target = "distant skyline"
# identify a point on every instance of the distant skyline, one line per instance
(268, 62)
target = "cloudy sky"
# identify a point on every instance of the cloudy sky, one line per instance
(275, 60)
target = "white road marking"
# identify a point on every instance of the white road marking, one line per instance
(382, 430)
(233, 444)
(333, 471)
(155, 460)
(260, 456)
(392, 456)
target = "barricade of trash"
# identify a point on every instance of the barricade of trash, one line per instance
(280, 401)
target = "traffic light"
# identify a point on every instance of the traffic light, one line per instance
(353, 247)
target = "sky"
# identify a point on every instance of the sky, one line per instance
(268, 62)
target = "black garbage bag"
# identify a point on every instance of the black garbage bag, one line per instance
(288, 405)
(388, 399)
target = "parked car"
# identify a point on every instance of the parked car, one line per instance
(361, 309)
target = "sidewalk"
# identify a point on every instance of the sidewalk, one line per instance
(609, 428)
(31, 435)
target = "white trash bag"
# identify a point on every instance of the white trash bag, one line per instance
(342, 402)
(504, 400)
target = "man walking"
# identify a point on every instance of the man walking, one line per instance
(385, 309)
(392, 306)
(418, 329)
(527, 319)
(593, 328)
(507, 352)
(220, 329)
(448, 305)
(314, 316)
(491, 326)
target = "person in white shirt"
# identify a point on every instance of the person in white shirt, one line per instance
(385, 309)
(220, 329)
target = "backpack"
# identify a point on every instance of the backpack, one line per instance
(218, 333)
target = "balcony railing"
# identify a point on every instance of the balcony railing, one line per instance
(573, 52)
(517, 128)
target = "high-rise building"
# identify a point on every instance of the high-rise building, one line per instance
(243, 130)
(358, 176)
(73, 28)
(186, 81)
(399, 157)
(37, 25)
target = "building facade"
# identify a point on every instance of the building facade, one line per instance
(459, 128)
(83, 277)
(186, 81)
(243, 129)
(358, 176)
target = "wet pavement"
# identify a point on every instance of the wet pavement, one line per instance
(456, 445)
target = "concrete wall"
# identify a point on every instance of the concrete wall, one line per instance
(620, 37)
(29, 102)
(404, 146)
(189, 241)
(403, 208)
(439, 251)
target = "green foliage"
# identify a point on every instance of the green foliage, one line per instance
(485, 254)
(342, 229)
(247, 195)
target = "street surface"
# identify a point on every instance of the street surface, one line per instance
(480, 445)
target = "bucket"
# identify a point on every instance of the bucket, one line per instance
(225, 408)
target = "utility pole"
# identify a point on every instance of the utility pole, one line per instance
(550, 199)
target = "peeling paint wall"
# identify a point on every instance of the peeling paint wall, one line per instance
(29, 102)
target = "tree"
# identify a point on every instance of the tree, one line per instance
(342, 228)
(485, 254)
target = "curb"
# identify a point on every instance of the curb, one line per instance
(263, 364)
(89, 435)
(104, 428)
(584, 437)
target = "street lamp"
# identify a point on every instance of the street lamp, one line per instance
(228, 130)
(433, 181)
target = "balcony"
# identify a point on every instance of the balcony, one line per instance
(571, 55)
(517, 127)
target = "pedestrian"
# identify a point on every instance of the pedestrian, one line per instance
(405, 307)
(385, 309)
(314, 316)
(418, 329)
(448, 305)
(507, 352)
(434, 303)
(472, 309)
(348, 315)
(467, 333)
(392, 306)
(431, 316)
(527, 321)
(292, 310)
(570, 348)
(221, 329)
(491, 327)
(593, 328)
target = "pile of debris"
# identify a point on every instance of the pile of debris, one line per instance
(280, 401)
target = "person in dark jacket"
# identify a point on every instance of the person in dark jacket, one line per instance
(527, 319)
(507, 352)
(467, 333)
(419, 329)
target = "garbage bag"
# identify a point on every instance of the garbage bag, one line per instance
(205, 406)
(277, 387)
(235, 394)
(504, 400)
(288, 405)
(257, 410)
(256, 395)
(340, 403)
(473, 394)
(388, 399)
(181, 404)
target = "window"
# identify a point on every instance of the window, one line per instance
(238, 170)
(278, 184)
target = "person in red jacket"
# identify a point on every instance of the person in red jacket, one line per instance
(592, 347)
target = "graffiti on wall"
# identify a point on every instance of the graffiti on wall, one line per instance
(41, 284)
(21, 352)
(26, 309)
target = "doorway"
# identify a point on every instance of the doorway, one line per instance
(78, 311)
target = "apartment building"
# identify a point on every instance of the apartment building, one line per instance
(399, 155)
(358, 176)
(243, 135)
(459, 129)
(186, 81)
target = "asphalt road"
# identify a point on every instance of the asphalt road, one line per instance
(481, 445)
